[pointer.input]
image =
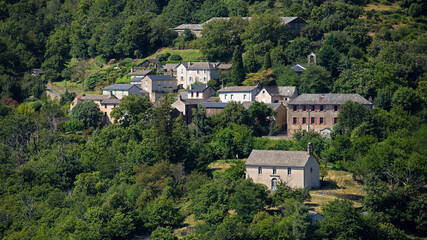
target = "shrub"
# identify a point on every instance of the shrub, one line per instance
(73, 125)
(175, 57)
(163, 56)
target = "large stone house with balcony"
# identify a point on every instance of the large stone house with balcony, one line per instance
(238, 93)
(297, 169)
(198, 72)
(318, 112)
(158, 86)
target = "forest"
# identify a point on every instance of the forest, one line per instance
(149, 174)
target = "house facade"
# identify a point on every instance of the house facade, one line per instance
(196, 72)
(213, 107)
(318, 112)
(298, 169)
(154, 63)
(276, 94)
(122, 90)
(103, 102)
(201, 92)
(158, 86)
(238, 93)
(170, 69)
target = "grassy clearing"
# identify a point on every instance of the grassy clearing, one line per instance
(186, 54)
(337, 184)
(380, 7)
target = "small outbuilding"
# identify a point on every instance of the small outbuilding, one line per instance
(297, 169)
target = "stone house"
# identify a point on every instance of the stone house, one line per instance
(103, 102)
(150, 63)
(298, 169)
(170, 69)
(158, 86)
(276, 94)
(213, 107)
(318, 112)
(190, 99)
(140, 73)
(122, 90)
(198, 72)
(238, 93)
(279, 119)
(196, 29)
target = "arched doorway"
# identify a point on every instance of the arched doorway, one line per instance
(274, 184)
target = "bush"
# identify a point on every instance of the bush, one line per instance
(125, 62)
(92, 81)
(73, 125)
(175, 57)
(163, 56)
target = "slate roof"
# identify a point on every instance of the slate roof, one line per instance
(280, 90)
(237, 89)
(277, 158)
(199, 65)
(161, 77)
(141, 72)
(194, 27)
(273, 106)
(300, 67)
(224, 66)
(329, 98)
(284, 20)
(170, 66)
(120, 87)
(198, 88)
(136, 79)
(214, 104)
(93, 97)
(111, 101)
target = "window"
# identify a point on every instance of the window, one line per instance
(289, 171)
(259, 170)
(312, 120)
(304, 108)
(321, 107)
(231, 96)
(321, 120)
(190, 79)
(295, 108)
(263, 91)
(225, 96)
(313, 108)
(335, 120)
(311, 169)
(304, 120)
(204, 71)
(182, 70)
(198, 71)
(244, 96)
(294, 120)
(274, 171)
(286, 99)
(204, 79)
(336, 108)
(273, 184)
(197, 94)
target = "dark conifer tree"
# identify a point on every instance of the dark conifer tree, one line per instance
(237, 71)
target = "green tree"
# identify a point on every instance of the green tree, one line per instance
(248, 199)
(267, 61)
(383, 99)
(88, 112)
(315, 79)
(406, 98)
(259, 113)
(298, 49)
(352, 114)
(133, 109)
(237, 71)
(163, 233)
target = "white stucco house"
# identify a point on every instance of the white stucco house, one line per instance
(238, 93)
(298, 169)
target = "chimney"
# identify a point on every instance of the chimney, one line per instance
(310, 148)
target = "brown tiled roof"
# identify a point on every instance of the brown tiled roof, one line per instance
(237, 89)
(277, 158)
(329, 98)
